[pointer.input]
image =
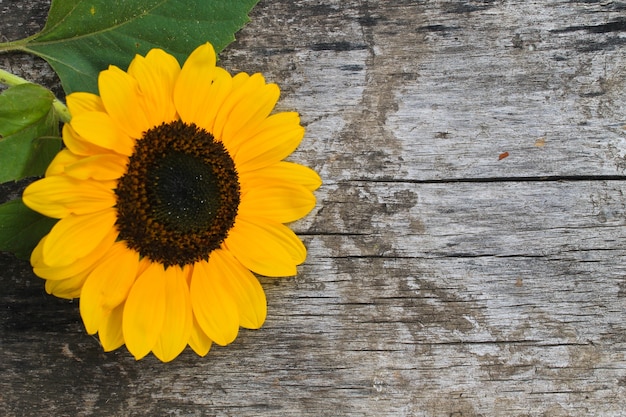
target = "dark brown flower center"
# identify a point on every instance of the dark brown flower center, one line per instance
(179, 196)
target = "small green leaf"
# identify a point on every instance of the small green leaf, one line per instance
(21, 228)
(23, 105)
(82, 38)
(29, 130)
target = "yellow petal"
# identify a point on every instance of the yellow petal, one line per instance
(75, 236)
(240, 79)
(265, 247)
(90, 304)
(100, 130)
(82, 265)
(244, 289)
(59, 196)
(247, 114)
(144, 312)
(201, 88)
(274, 139)
(67, 288)
(123, 101)
(178, 316)
(156, 75)
(144, 264)
(36, 256)
(98, 167)
(80, 102)
(229, 118)
(60, 161)
(198, 340)
(216, 92)
(110, 331)
(287, 171)
(280, 201)
(78, 145)
(122, 268)
(213, 305)
(108, 285)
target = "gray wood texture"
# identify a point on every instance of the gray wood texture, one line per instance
(466, 256)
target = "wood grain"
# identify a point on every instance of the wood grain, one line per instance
(441, 280)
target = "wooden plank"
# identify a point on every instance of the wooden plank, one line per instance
(385, 329)
(425, 90)
(441, 280)
(534, 219)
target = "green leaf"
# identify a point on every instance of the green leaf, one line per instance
(29, 130)
(23, 105)
(44, 149)
(83, 37)
(21, 228)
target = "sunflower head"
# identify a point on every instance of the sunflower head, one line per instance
(171, 193)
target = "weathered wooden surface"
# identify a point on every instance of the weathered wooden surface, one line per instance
(441, 280)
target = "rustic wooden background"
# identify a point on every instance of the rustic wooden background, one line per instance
(466, 257)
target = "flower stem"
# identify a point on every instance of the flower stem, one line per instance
(14, 45)
(62, 110)
(11, 80)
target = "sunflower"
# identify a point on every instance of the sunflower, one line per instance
(172, 193)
